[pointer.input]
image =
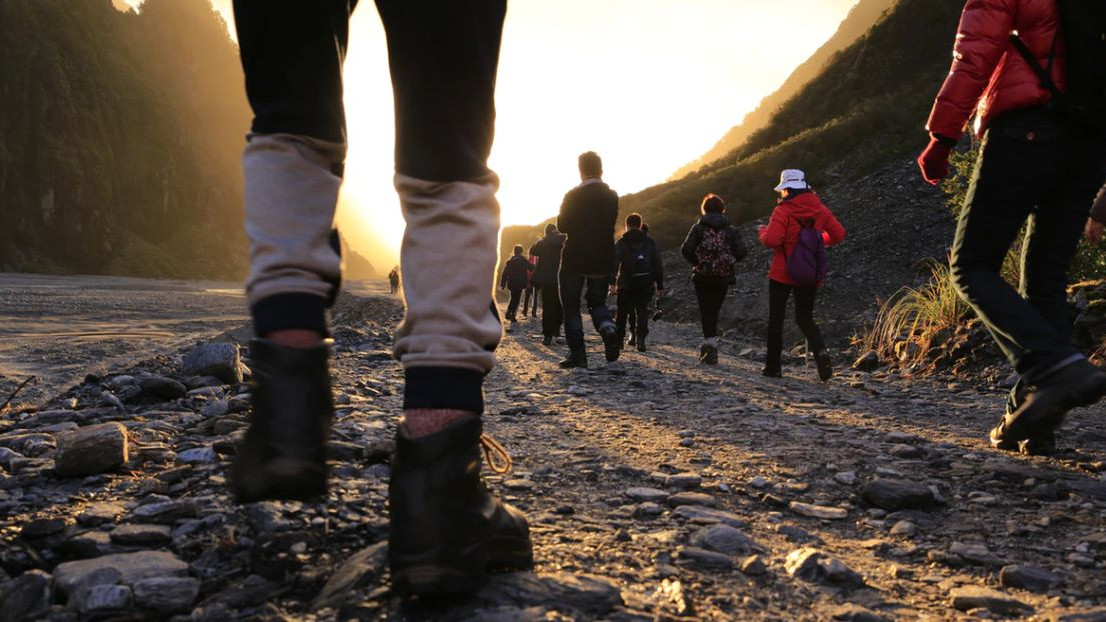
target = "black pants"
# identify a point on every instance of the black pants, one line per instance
(552, 315)
(633, 309)
(710, 297)
(1047, 183)
(778, 294)
(572, 287)
(531, 293)
(512, 304)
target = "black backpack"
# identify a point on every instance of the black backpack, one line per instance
(1083, 24)
(639, 272)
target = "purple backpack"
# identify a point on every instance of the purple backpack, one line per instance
(808, 263)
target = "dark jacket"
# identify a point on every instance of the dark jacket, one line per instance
(515, 273)
(587, 218)
(548, 252)
(712, 221)
(626, 250)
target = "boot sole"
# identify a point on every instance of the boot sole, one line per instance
(283, 479)
(464, 573)
(1034, 416)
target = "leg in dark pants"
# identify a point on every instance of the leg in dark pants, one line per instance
(551, 316)
(526, 293)
(536, 290)
(512, 304)
(572, 288)
(778, 294)
(639, 307)
(804, 318)
(710, 297)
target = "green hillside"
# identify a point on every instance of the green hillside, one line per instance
(867, 108)
(120, 139)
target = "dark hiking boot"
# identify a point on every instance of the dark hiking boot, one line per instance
(633, 340)
(447, 530)
(825, 365)
(547, 340)
(612, 345)
(1041, 444)
(283, 456)
(575, 358)
(640, 345)
(708, 354)
(772, 371)
(1078, 384)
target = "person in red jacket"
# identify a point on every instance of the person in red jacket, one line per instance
(798, 203)
(1035, 166)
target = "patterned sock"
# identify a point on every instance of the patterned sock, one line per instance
(427, 421)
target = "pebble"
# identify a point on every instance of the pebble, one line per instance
(702, 558)
(641, 494)
(818, 511)
(976, 597)
(198, 455)
(894, 495)
(1031, 578)
(692, 498)
(141, 535)
(166, 595)
(723, 539)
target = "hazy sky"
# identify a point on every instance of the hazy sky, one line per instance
(648, 84)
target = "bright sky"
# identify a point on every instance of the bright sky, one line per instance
(648, 84)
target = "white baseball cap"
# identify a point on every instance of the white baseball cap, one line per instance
(792, 178)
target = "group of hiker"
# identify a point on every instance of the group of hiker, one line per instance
(1030, 71)
(579, 252)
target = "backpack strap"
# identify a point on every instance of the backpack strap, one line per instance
(1044, 74)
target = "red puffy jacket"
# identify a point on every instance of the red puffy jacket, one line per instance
(989, 76)
(782, 232)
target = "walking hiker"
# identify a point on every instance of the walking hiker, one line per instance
(393, 279)
(712, 247)
(639, 272)
(515, 279)
(631, 315)
(587, 218)
(548, 253)
(531, 291)
(800, 229)
(446, 528)
(1033, 72)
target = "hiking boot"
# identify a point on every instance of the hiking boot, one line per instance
(772, 371)
(547, 340)
(1041, 444)
(446, 529)
(283, 456)
(641, 345)
(612, 345)
(575, 358)
(825, 365)
(1078, 384)
(708, 354)
(633, 340)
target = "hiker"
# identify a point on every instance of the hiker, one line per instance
(1031, 73)
(798, 232)
(531, 291)
(639, 272)
(515, 279)
(393, 279)
(548, 253)
(712, 247)
(631, 314)
(587, 218)
(446, 528)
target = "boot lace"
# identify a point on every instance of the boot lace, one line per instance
(499, 461)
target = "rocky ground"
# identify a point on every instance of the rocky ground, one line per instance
(657, 489)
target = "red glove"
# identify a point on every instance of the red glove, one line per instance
(934, 161)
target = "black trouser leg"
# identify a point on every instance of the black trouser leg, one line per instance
(710, 297)
(640, 311)
(536, 290)
(526, 293)
(777, 309)
(512, 305)
(804, 317)
(551, 316)
(572, 287)
(596, 300)
(622, 316)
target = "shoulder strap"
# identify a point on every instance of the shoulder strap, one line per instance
(1045, 75)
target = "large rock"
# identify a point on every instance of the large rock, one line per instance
(90, 450)
(1031, 578)
(221, 360)
(362, 568)
(166, 595)
(975, 597)
(162, 387)
(27, 597)
(893, 495)
(702, 515)
(132, 567)
(723, 539)
(810, 564)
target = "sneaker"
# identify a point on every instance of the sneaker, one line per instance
(447, 530)
(575, 358)
(772, 371)
(283, 456)
(612, 346)
(825, 365)
(708, 354)
(1078, 384)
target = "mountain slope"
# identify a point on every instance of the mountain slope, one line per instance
(866, 109)
(120, 139)
(859, 21)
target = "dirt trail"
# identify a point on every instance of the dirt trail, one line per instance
(656, 488)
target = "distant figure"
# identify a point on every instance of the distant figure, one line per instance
(531, 291)
(800, 228)
(548, 253)
(1040, 109)
(712, 247)
(515, 279)
(393, 279)
(587, 218)
(639, 272)
(631, 317)
(446, 528)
